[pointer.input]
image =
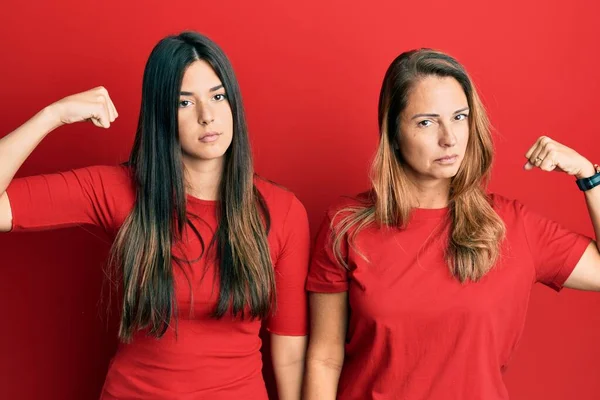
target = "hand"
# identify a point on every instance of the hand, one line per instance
(549, 155)
(93, 105)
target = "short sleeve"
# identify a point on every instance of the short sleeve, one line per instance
(326, 275)
(291, 316)
(555, 249)
(86, 196)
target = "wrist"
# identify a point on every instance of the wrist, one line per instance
(586, 171)
(590, 180)
(50, 117)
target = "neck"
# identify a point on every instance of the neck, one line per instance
(433, 193)
(203, 177)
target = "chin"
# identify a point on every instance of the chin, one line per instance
(446, 175)
(210, 157)
(204, 156)
(451, 172)
(214, 153)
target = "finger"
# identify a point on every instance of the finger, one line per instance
(538, 155)
(549, 163)
(533, 148)
(113, 108)
(549, 156)
(534, 159)
(105, 99)
(106, 114)
(528, 166)
(96, 122)
(100, 117)
(531, 154)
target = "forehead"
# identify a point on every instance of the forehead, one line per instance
(199, 76)
(438, 95)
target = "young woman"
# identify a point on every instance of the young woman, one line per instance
(204, 251)
(420, 286)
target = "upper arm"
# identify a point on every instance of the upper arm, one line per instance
(555, 249)
(586, 275)
(326, 274)
(5, 213)
(291, 267)
(328, 284)
(328, 325)
(86, 196)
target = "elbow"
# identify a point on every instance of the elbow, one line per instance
(329, 363)
(288, 362)
(288, 352)
(6, 218)
(330, 357)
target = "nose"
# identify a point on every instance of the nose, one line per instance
(205, 114)
(447, 136)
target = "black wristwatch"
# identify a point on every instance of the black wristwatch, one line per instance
(591, 182)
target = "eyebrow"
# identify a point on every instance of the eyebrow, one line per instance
(437, 115)
(212, 89)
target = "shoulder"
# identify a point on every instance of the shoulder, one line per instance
(346, 205)
(273, 192)
(114, 187)
(281, 202)
(116, 181)
(511, 211)
(108, 174)
(502, 203)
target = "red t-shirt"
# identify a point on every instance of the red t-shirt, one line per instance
(209, 358)
(417, 333)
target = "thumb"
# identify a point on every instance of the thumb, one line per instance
(528, 166)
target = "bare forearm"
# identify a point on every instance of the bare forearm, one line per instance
(288, 354)
(321, 379)
(19, 144)
(289, 380)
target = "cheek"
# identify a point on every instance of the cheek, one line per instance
(463, 134)
(415, 150)
(228, 120)
(185, 125)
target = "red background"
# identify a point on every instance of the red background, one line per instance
(310, 74)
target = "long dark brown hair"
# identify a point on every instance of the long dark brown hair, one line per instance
(476, 230)
(141, 256)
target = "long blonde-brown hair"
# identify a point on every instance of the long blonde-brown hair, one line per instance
(476, 231)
